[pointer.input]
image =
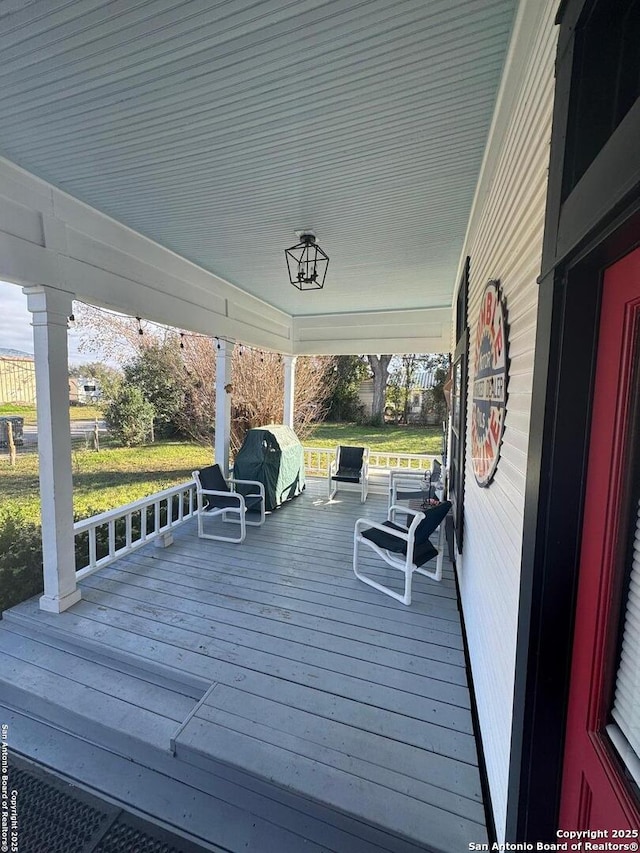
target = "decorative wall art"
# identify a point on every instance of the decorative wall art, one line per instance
(489, 384)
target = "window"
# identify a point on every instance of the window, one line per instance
(459, 409)
(624, 730)
(607, 76)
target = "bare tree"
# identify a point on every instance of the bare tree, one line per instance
(380, 367)
(257, 396)
(115, 337)
(197, 417)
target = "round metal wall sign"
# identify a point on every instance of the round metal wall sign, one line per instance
(489, 390)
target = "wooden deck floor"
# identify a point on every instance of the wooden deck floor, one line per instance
(300, 708)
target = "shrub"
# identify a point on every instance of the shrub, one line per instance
(158, 372)
(20, 559)
(129, 416)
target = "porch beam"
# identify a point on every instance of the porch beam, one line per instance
(223, 404)
(50, 309)
(289, 389)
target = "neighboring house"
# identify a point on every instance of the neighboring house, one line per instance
(17, 378)
(83, 390)
(365, 396)
(546, 508)
(424, 380)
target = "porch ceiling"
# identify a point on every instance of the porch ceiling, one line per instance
(218, 129)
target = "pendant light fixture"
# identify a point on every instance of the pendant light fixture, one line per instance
(307, 263)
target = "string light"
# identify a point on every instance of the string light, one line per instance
(182, 334)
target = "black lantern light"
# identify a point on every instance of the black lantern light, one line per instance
(307, 263)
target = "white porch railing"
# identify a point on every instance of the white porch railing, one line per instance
(126, 528)
(113, 534)
(318, 459)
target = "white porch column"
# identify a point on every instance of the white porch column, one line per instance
(223, 405)
(289, 388)
(50, 309)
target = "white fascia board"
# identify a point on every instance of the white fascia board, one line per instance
(48, 237)
(412, 330)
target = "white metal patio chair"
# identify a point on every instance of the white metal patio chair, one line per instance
(406, 485)
(219, 497)
(351, 465)
(403, 547)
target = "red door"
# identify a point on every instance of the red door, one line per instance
(595, 792)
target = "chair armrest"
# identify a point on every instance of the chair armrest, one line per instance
(222, 494)
(406, 511)
(333, 466)
(249, 483)
(409, 482)
(405, 485)
(406, 473)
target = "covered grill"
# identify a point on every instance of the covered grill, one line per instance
(272, 455)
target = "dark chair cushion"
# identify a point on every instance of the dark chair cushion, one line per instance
(423, 550)
(432, 518)
(252, 498)
(211, 479)
(386, 540)
(350, 458)
(350, 461)
(347, 475)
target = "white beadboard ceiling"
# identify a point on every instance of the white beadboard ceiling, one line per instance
(220, 127)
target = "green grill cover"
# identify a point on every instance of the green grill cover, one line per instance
(274, 456)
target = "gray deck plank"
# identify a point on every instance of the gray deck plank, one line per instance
(322, 565)
(74, 700)
(353, 684)
(445, 782)
(412, 622)
(244, 822)
(326, 570)
(460, 746)
(341, 591)
(128, 688)
(381, 805)
(336, 709)
(269, 611)
(256, 631)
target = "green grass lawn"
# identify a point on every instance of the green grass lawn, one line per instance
(104, 480)
(26, 412)
(76, 413)
(391, 438)
(116, 475)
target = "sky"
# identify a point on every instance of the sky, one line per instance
(15, 324)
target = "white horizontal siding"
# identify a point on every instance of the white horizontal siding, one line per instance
(504, 242)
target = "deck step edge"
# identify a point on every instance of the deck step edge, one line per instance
(162, 675)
